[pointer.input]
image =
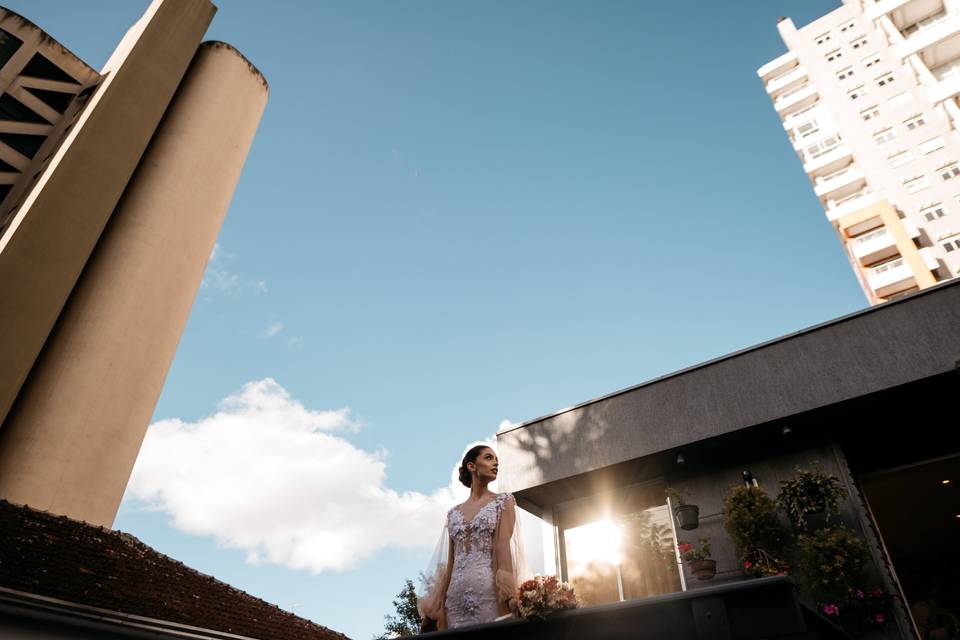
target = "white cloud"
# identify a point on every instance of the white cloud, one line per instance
(218, 277)
(280, 481)
(272, 329)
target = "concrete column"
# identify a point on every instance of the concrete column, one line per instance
(50, 236)
(70, 442)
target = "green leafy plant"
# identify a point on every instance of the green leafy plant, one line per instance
(407, 620)
(812, 491)
(833, 563)
(750, 519)
(690, 552)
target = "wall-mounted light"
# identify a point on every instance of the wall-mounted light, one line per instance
(786, 431)
(680, 459)
(945, 482)
(748, 479)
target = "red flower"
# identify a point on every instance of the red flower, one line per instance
(747, 564)
(686, 546)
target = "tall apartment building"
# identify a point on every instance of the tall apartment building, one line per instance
(868, 95)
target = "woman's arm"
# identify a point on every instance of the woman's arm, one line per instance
(504, 571)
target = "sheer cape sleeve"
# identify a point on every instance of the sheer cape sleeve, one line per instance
(509, 562)
(432, 594)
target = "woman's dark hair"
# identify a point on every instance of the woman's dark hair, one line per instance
(470, 456)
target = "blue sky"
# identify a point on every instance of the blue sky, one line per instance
(456, 214)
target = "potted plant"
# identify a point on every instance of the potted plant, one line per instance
(687, 515)
(750, 519)
(833, 562)
(698, 559)
(810, 498)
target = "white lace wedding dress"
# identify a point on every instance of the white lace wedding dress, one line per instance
(487, 565)
(472, 595)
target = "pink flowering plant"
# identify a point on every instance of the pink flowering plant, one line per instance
(541, 596)
(700, 551)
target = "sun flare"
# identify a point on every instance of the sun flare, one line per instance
(594, 542)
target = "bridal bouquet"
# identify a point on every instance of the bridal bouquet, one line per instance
(542, 595)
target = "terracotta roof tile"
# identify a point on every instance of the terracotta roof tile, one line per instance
(57, 557)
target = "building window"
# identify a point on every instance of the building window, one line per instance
(901, 98)
(885, 79)
(900, 158)
(834, 55)
(849, 26)
(933, 212)
(870, 112)
(823, 37)
(845, 73)
(931, 145)
(926, 23)
(915, 184)
(949, 171)
(951, 244)
(824, 146)
(914, 122)
(807, 129)
(857, 92)
(871, 60)
(885, 135)
(859, 41)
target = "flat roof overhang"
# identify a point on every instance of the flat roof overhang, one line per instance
(636, 432)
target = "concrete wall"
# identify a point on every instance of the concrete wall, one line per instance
(50, 237)
(70, 442)
(881, 348)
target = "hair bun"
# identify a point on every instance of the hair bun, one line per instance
(465, 478)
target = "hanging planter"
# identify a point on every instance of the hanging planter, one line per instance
(688, 516)
(811, 499)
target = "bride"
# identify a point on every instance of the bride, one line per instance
(478, 562)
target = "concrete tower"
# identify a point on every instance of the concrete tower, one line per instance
(101, 261)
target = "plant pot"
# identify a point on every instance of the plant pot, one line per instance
(703, 569)
(688, 516)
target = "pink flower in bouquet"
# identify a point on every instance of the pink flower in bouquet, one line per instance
(860, 594)
(543, 595)
(831, 610)
(879, 618)
(747, 564)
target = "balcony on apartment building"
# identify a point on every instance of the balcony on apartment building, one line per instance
(945, 81)
(896, 276)
(878, 8)
(840, 183)
(901, 13)
(879, 244)
(778, 66)
(934, 37)
(852, 203)
(796, 99)
(797, 117)
(831, 156)
(790, 79)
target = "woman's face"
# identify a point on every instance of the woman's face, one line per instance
(486, 465)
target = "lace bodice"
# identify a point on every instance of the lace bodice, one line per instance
(475, 536)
